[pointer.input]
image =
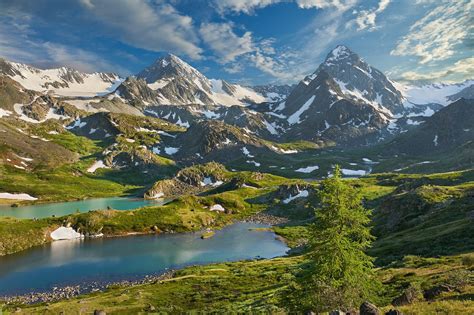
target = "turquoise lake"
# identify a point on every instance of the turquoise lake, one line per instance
(75, 262)
(63, 208)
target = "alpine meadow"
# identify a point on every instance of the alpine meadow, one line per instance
(236, 157)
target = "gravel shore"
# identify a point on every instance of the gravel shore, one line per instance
(262, 218)
(68, 292)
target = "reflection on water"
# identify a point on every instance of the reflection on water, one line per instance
(79, 261)
(63, 208)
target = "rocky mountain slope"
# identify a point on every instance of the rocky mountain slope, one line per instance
(345, 103)
(273, 92)
(62, 81)
(343, 100)
(171, 81)
(447, 129)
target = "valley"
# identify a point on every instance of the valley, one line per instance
(215, 183)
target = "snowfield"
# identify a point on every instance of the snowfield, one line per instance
(86, 84)
(96, 166)
(217, 207)
(432, 93)
(207, 181)
(65, 233)
(307, 169)
(171, 150)
(4, 113)
(295, 117)
(349, 172)
(301, 194)
(17, 196)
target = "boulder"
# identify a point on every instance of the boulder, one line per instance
(368, 308)
(99, 312)
(437, 290)
(408, 296)
(393, 312)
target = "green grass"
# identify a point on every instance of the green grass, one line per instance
(258, 286)
(68, 182)
(81, 145)
(207, 234)
(187, 213)
(294, 236)
(17, 235)
(431, 213)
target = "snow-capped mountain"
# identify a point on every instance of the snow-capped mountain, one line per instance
(436, 93)
(467, 93)
(273, 92)
(177, 83)
(450, 128)
(345, 101)
(345, 98)
(359, 81)
(60, 81)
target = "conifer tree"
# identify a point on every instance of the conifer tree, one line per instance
(340, 273)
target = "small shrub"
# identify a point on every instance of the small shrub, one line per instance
(468, 260)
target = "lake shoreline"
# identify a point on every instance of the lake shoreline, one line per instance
(26, 210)
(70, 291)
(66, 291)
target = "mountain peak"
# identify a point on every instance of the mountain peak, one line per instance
(167, 59)
(168, 66)
(341, 52)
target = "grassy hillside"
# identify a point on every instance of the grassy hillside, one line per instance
(260, 286)
(186, 213)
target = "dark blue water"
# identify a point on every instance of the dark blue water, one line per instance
(63, 208)
(113, 259)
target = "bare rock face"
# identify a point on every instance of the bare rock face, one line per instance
(447, 129)
(348, 68)
(274, 93)
(368, 308)
(408, 296)
(432, 293)
(137, 92)
(345, 100)
(37, 110)
(189, 180)
(290, 190)
(178, 83)
(467, 93)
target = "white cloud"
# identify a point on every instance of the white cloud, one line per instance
(270, 66)
(324, 4)
(366, 19)
(437, 35)
(301, 56)
(325, 31)
(241, 51)
(157, 27)
(460, 70)
(87, 3)
(249, 6)
(76, 58)
(234, 68)
(225, 44)
(18, 44)
(245, 6)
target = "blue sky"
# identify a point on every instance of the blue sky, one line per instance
(246, 41)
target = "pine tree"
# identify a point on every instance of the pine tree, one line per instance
(340, 273)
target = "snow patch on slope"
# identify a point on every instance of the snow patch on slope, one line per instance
(295, 117)
(431, 93)
(17, 196)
